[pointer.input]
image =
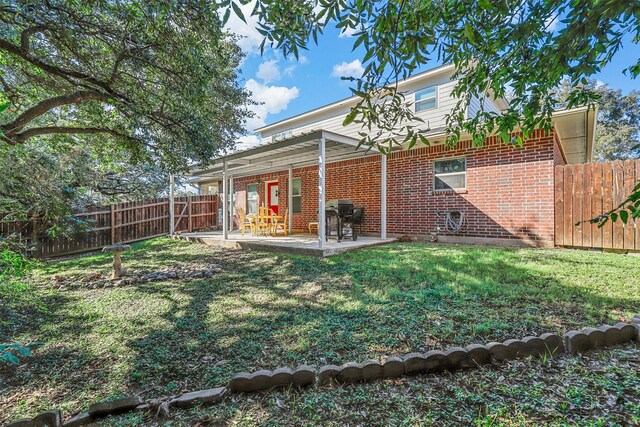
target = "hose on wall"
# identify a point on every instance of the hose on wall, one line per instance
(455, 221)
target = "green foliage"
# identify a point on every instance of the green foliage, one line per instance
(529, 46)
(618, 123)
(629, 209)
(46, 180)
(156, 80)
(12, 264)
(618, 130)
(13, 267)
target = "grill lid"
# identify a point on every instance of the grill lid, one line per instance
(339, 203)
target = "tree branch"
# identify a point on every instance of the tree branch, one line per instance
(29, 133)
(75, 77)
(9, 91)
(26, 35)
(12, 128)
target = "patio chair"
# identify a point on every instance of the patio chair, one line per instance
(263, 222)
(358, 217)
(245, 223)
(314, 225)
(284, 225)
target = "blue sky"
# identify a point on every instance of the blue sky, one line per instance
(286, 87)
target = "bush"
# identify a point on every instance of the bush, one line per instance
(13, 294)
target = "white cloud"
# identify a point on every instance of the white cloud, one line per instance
(250, 37)
(269, 71)
(247, 141)
(270, 99)
(551, 23)
(348, 69)
(289, 70)
(348, 32)
(302, 60)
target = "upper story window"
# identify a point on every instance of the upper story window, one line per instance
(450, 174)
(426, 99)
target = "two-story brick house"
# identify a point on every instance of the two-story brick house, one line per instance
(505, 192)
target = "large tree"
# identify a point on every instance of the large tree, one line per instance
(156, 79)
(525, 46)
(47, 179)
(618, 131)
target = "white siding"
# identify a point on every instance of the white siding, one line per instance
(332, 118)
(475, 106)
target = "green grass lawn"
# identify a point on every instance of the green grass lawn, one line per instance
(268, 310)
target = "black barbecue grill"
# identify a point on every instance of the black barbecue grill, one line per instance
(339, 220)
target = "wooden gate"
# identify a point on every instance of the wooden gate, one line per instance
(583, 192)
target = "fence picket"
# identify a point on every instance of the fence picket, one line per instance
(568, 206)
(636, 224)
(607, 203)
(121, 222)
(618, 197)
(585, 191)
(586, 206)
(629, 182)
(559, 206)
(578, 198)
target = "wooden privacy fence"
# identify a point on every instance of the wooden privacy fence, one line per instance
(587, 190)
(120, 223)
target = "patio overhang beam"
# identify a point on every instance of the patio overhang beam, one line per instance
(254, 161)
(270, 160)
(281, 166)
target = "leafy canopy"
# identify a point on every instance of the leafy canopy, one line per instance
(618, 130)
(526, 46)
(48, 179)
(155, 79)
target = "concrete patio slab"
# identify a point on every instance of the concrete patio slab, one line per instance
(297, 244)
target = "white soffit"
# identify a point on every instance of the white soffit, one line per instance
(575, 129)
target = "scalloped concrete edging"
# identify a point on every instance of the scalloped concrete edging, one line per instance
(434, 361)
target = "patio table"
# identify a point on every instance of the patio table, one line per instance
(265, 219)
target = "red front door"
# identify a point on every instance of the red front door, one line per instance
(272, 196)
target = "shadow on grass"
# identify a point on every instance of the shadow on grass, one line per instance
(269, 310)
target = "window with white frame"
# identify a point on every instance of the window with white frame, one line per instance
(450, 174)
(252, 199)
(426, 99)
(296, 196)
(212, 189)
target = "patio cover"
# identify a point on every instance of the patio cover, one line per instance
(317, 147)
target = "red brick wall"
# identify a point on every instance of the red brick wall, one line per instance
(509, 189)
(358, 180)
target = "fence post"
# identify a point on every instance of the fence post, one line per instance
(113, 224)
(172, 224)
(189, 213)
